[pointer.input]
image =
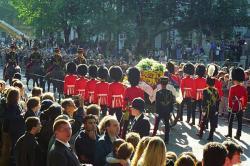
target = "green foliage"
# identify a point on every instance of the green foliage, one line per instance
(150, 64)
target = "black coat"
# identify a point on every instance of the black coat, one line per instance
(27, 151)
(60, 155)
(164, 102)
(141, 126)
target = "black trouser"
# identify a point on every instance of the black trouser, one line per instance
(239, 116)
(117, 112)
(166, 123)
(211, 118)
(104, 110)
(125, 126)
(190, 109)
(198, 103)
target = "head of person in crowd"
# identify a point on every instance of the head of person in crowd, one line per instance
(17, 76)
(115, 73)
(45, 104)
(189, 154)
(234, 152)
(226, 77)
(221, 74)
(82, 70)
(69, 106)
(133, 138)
(81, 52)
(138, 107)
(33, 125)
(164, 82)
(110, 125)
(57, 51)
(20, 86)
(52, 112)
(134, 76)
(185, 160)
(103, 73)
(155, 153)
(37, 92)
(214, 154)
(13, 96)
(171, 157)
(62, 130)
(2, 86)
(170, 67)
(212, 70)
(94, 109)
(200, 70)
(34, 105)
(116, 144)
(71, 68)
(90, 123)
(210, 81)
(238, 75)
(125, 151)
(143, 143)
(92, 71)
(48, 96)
(188, 69)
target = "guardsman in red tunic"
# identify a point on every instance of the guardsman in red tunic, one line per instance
(102, 90)
(237, 100)
(81, 82)
(70, 80)
(116, 92)
(132, 92)
(91, 84)
(188, 92)
(200, 85)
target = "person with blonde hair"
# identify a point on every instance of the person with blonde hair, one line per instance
(154, 154)
(139, 150)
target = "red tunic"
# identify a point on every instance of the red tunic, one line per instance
(200, 85)
(115, 96)
(218, 85)
(81, 83)
(176, 79)
(188, 87)
(69, 84)
(241, 93)
(101, 93)
(90, 91)
(131, 93)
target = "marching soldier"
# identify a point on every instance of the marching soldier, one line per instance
(35, 57)
(57, 62)
(237, 100)
(91, 85)
(187, 89)
(70, 80)
(200, 85)
(209, 108)
(80, 58)
(164, 105)
(82, 80)
(11, 59)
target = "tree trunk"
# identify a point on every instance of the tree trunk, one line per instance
(66, 32)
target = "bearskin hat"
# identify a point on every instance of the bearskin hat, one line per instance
(71, 68)
(170, 67)
(212, 70)
(103, 72)
(238, 74)
(200, 70)
(82, 70)
(134, 76)
(115, 73)
(188, 68)
(93, 71)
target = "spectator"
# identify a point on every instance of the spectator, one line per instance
(86, 141)
(185, 160)
(234, 152)
(154, 154)
(133, 138)
(33, 107)
(31, 154)
(61, 153)
(48, 95)
(140, 120)
(190, 154)
(94, 109)
(125, 152)
(104, 144)
(139, 150)
(112, 157)
(171, 157)
(214, 154)
(36, 91)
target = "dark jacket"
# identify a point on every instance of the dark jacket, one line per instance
(60, 155)
(29, 113)
(164, 102)
(27, 151)
(103, 148)
(141, 126)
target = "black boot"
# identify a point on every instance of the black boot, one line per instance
(210, 137)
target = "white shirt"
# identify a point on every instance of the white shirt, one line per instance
(66, 144)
